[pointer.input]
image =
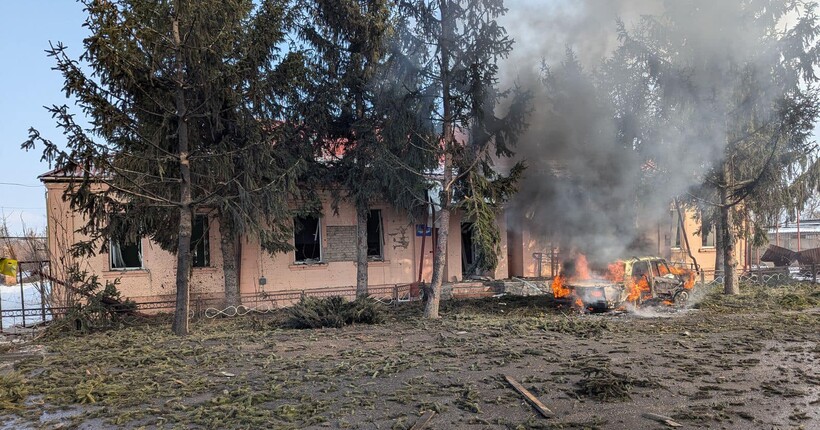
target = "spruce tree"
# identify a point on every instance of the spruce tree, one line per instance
(361, 114)
(458, 44)
(181, 97)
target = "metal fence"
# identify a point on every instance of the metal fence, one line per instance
(28, 313)
(200, 303)
(26, 302)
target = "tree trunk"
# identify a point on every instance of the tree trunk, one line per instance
(718, 246)
(434, 292)
(361, 251)
(229, 265)
(729, 263)
(180, 325)
(433, 298)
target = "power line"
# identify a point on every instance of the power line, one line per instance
(15, 184)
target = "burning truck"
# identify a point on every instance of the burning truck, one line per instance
(639, 280)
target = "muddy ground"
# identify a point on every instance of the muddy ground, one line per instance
(733, 363)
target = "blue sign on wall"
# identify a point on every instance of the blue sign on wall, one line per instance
(423, 230)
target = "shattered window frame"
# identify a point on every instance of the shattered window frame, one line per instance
(121, 257)
(678, 234)
(201, 245)
(300, 254)
(707, 240)
(637, 273)
(375, 245)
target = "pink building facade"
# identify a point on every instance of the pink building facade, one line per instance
(324, 257)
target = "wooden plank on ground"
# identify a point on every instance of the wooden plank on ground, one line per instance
(661, 419)
(543, 410)
(423, 420)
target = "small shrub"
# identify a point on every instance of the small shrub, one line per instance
(103, 307)
(333, 312)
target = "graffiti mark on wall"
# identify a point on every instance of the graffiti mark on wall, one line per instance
(400, 239)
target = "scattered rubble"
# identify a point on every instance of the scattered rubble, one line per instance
(736, 362)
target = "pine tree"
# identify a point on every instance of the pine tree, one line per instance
(181, 99)
(361, 112)
(459, 44)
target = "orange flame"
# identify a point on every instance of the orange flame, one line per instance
(581, 272)
(637, 288)
(616, 271)
(689, 283)
(558, 288)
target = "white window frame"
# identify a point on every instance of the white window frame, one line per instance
(114, 244)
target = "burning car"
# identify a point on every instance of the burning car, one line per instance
(637, 280)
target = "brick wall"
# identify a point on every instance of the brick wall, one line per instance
(341, 243)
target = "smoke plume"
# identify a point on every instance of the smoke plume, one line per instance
(602, 169)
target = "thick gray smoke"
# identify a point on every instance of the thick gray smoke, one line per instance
(602, 174)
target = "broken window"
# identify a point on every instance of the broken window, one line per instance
(677, 232)
(708, 239)
(125, 250)
(374, 235)
(200, 245)
(307, 237)
(468, 250)
(640, 269)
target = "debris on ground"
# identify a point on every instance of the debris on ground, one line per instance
(735, 362)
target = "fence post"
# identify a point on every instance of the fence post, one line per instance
(395, 293)
(42, 291)
(22, 296)
(813, 274)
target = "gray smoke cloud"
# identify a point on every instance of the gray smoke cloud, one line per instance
(586, 186)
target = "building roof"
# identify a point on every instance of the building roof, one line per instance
(806, 226)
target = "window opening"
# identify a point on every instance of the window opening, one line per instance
(125, 252)
(375, 250)
(307, 239)
(677, 232)
(200, 243)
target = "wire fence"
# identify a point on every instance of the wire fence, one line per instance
(26, 304)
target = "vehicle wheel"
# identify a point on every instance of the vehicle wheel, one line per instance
(681, 297)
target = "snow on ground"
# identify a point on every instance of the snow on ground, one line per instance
(10, 298)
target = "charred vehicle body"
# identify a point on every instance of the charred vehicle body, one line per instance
(638, 280)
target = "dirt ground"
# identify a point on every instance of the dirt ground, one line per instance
(733, 363)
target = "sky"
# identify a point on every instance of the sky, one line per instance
(27, 83)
